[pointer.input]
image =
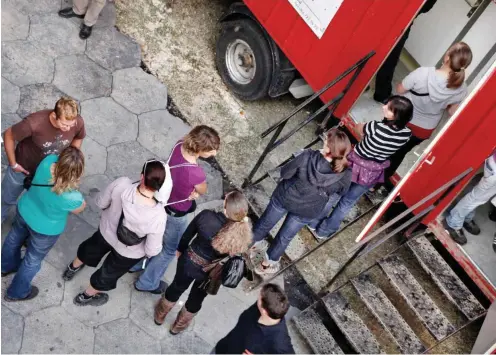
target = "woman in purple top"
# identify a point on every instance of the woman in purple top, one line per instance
(188, 183)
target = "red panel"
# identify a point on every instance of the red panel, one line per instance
(465, 143)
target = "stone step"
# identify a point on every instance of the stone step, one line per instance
(388, 315)
(310, 326)
(416, 297)
(352, 326)
(446, 279)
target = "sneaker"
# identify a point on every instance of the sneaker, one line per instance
(97, 300)
(158, 291)
(34, 292)
(267, 270)
(260, 246)
(70, 271)
(472, 227)
(457, 236)
(492, 213)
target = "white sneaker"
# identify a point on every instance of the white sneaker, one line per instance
(266, 270)
(262, 245)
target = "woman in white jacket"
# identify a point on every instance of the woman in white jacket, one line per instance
(131, 228)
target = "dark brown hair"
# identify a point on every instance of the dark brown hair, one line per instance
(66, 108)
(201, 139)
(274, 301)
(339, 147)
(236, 235)
(402, 109)
(460, 57)
(154, 174)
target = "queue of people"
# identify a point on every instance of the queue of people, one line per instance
(144, 224)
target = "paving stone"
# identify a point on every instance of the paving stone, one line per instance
(127, 159)
(105, 119)
(51, 289)
(185, 343)
(113, 50)
(138, 91)
(214, 183)
(10, 97)
(117, 307)
(15, 25)
(12, 329)
(19, 67)
(90, 187)
(124, 337)
(106, 17)
(38, 97)
(30, 7)
(55, 35)
(81, 78)
(159, 131)
(55, 331)
(95, 156)
(64, 251)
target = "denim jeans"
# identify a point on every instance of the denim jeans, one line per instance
(292, 225)
(464, 210)
(12, 188)
(156, 266)
(331, 224)
(325, 212)
(38, 247)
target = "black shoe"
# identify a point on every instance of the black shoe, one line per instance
(494, 243)
(97, 300)
(381, 100)
(158, 291)
(69, 272)
(34, 292)
(85, 31)
(472, 227)
(457, 236)
(492, 213)
(68, 12)
(8, 273)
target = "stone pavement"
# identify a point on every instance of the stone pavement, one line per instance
(126, 120)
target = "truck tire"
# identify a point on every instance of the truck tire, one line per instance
(244, 59)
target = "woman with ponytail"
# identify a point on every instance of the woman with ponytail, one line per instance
(307, 184)
(218, 234)
(432, 92)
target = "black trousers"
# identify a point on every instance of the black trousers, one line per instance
(92, 251)
(397, 158)
(384, 77)
(186, 273)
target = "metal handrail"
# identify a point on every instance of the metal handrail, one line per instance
(277, 128)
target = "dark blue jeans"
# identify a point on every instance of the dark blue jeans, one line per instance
(292, 225)
(38, 247)
(330, 225)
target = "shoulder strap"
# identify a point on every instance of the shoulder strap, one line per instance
(418, 94)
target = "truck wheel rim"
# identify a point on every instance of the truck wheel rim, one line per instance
(240, 62)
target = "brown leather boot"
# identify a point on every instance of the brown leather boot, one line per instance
(162, 308)
(182, 321)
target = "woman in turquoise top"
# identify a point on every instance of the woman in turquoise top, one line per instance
(40, 219)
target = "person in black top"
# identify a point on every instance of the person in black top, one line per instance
(261, 329)
(218, 234)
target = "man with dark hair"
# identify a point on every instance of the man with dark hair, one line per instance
(40, 134)
(261, 329)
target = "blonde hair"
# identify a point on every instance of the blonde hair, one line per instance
(339, 146)
(66, 108)
(68, 170)
(460, 57)
(201, 139)
(236, 235)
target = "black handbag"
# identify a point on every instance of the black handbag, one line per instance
(126, 236)
(233, 271)
(28, 182)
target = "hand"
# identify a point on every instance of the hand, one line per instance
(194, 195)
(178, 254)
(247, 352)
(20, 169)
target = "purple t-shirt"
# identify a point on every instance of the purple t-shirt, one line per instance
(184, 179)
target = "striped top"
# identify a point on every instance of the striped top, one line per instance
(380, 141)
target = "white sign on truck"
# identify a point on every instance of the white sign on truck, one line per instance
(317, 13)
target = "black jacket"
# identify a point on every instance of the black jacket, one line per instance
(307, 183)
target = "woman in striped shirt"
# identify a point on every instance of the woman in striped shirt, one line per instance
(379, 140)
